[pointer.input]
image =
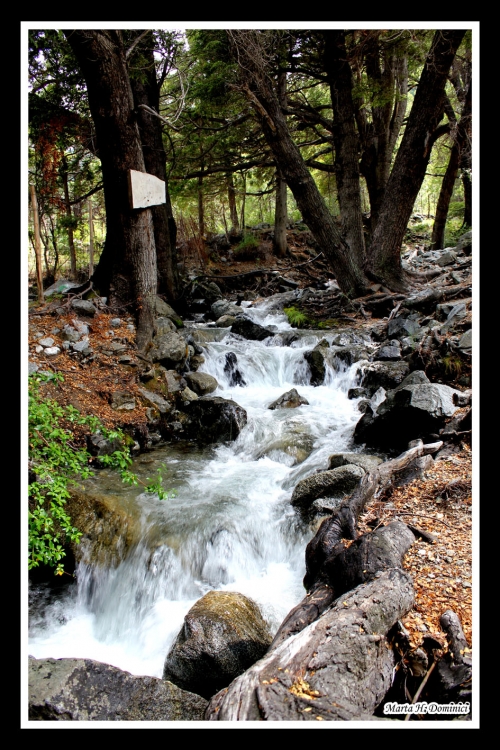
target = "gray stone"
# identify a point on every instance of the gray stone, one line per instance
(170, 350)
(164, 325)
(161, 404)
(84, 307)
(224, 307)
(402, 326)
(465, 244)
(163, 310)
(81, 346)
(289, 400)
(122, 401)
(201, 383)
(52, 351)
(225, 321)
(447, 258)
(388, 352)
(115, 322)
(333, 483)
(364, 460)
(388, 375)
(46, 343)
(70, 334)
(87, 690)
(188, 395)
(32, 367)
(466, 340)
(223, 635)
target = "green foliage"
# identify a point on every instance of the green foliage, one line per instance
(57, 463)
(248, 249)
(453, 365)
(296, 317)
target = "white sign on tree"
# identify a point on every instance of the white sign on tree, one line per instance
(145, 189)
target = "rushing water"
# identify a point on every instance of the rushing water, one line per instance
(230, 525)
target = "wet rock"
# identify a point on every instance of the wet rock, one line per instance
(158, 401)
(232, 371)
(212, 419)
(364, 460)
(387, 375)
(316, 359)
(466, 340)
(402, 326)
(390, 352)
(88, 690)
(222, 636)
(289, 400)
(333, 483)
(201, 383)
(164, 325)
(245, 327)
(224, 307)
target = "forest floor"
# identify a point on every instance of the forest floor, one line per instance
(440, 503)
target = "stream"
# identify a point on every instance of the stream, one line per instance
(230, 525)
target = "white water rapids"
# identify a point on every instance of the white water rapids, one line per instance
(230, 526)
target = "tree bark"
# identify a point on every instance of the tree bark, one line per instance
(279, 240)
(446, 192)
(69, 215)
(384, 256)
(346, 143)
(128, 269)
(231, 197)
(146, 91)
(258, 88)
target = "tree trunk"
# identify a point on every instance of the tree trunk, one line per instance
(146, 92)
(384, 257)
(446, 192)
(279, 241)
(69, 215)
(128, 270)
(201, 212)
(346, 143)
(467, 185)
(258, 88)
(231, 197)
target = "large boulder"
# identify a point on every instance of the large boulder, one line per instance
(212, 419)
(245, 327)
(316, 359)
(87, 690)
(413, 411)
(333, 483)
(201, 382)
(170, 350)
(222, 636)
(387, 375)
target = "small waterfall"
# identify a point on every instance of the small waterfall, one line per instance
(230, 525)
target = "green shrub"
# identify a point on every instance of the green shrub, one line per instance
(248, 249)
(296, 317)
(56, 462)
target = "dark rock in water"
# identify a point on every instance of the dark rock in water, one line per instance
(316, 361)
(245, 327)
(289, 400)
(212, 419)
(334, 483)
(87, 690)
(223, 635)
(385, 374)
(358, 393)
(231, 370)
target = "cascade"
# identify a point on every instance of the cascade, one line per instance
(230, 525)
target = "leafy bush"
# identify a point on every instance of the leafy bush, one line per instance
(296, 317)
(55, 462)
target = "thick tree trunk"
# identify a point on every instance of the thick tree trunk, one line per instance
(201, 211)
(258, 88)
(279, 240)
(384, 257)
(128, 271)
(346, 143)
(467, 185)
(146, 92)
(446, 192)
